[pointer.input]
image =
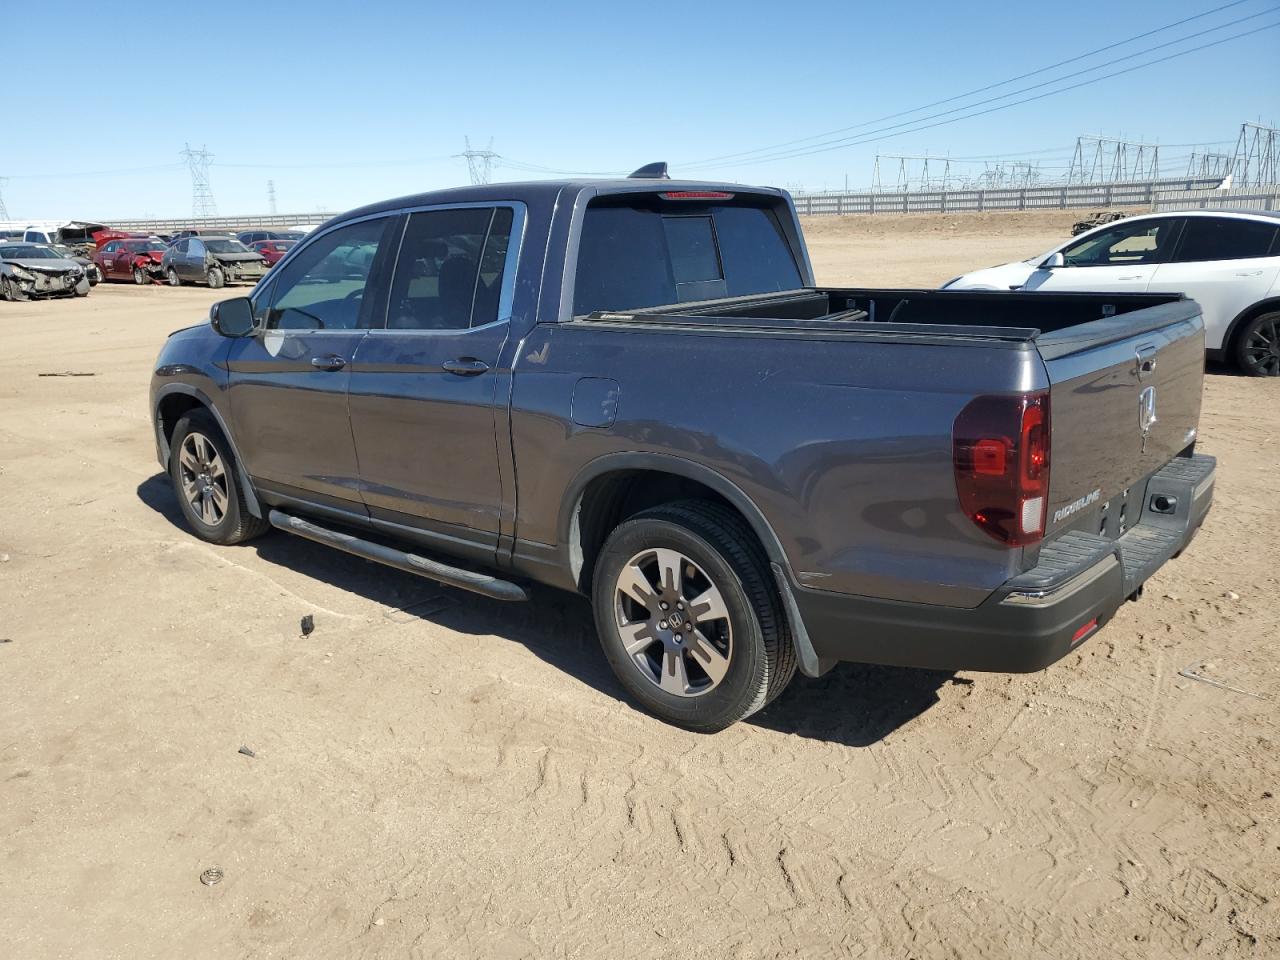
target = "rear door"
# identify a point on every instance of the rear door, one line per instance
(289, 381)
(1123, 258)
(1225, 264)
(424, 386)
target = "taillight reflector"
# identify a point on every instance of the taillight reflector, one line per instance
(1000, 448)
(695, 195)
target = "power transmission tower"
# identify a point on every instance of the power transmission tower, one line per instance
(1256, 159)
(927, 179)
(479, 162)
(1205, 164)
(4, 211)
(271, 197)
(1113, 160)
(202, 203)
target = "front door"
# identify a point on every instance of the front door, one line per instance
(289, 380)
(1122, 258)
(424, 387)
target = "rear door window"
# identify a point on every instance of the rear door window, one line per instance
(646, 253)
(449, 272)
(1225, 238)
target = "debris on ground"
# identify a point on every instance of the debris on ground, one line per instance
(211, 876)
(247, 752)
(1231, 595)
(308, 624)
(1192, 672)
(5, 640)
(67, 373)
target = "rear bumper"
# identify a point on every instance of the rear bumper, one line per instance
(1034, 619)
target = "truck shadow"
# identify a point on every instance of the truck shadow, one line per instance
(855, 705)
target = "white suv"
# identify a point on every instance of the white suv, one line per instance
(1228, 261)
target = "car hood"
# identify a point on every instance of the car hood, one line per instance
(43, 265)
(156, 255)
(1001, 277)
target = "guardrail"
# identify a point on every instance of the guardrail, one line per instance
(1143, 193)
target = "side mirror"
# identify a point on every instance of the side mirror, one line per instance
(232, 318)
(1053, 260)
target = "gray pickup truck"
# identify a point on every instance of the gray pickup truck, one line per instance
(634, 389)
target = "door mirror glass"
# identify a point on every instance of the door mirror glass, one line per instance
(232, 318)
(1053, 260)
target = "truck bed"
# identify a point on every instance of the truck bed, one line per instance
(1058, 323)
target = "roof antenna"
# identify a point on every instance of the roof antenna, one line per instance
(651, 171)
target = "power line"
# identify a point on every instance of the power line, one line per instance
(271, 197)
(963, 96)
(874, 136)
(202, 202)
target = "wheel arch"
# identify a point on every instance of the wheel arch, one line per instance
(1234, 328)
(606, 491)
(175, 400)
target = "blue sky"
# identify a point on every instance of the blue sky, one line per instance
(342, 103)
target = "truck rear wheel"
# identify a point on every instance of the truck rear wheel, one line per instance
(204, 476)
(1258, 346)
(689, 618)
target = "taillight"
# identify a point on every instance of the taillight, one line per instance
(1000, 449)
(696, 195)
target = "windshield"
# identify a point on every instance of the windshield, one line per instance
(28, 251)
(146, 246)
(226, 246)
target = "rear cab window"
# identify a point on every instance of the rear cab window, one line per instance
(644, 250)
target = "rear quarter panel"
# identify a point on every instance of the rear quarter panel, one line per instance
(844, 446)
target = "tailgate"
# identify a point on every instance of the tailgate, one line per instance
(1124, 400)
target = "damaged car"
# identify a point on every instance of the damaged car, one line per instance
(213, 260)
(132, 258)
(32, 270)
(91, 269)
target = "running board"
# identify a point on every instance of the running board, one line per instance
(480, 583)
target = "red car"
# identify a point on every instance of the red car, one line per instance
(131, 258)
(272, 250)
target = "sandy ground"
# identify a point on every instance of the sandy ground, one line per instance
(441, 776)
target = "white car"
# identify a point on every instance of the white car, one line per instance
(1227, 261)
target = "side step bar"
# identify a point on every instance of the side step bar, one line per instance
(480, 583)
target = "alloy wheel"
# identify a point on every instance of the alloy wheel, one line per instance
(204, 478)
(673, 622)
(1262, 347)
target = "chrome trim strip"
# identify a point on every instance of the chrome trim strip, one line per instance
(1072, 586)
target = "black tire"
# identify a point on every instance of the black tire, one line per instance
(9, 290)
(171, 275)
(216, 278)
(724, 551)
(1257, 347)
(140, 277)
(235, 524)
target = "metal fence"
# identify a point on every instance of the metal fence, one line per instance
(1235, 198)
(1142, 193)
(247, 221)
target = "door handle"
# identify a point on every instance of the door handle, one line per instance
(466, 366)
(1136, 276)
(331, 362)
(1249, 273)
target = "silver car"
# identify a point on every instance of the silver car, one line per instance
(33, 270)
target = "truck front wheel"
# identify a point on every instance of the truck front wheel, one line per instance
(689, 617)
(204, 476)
